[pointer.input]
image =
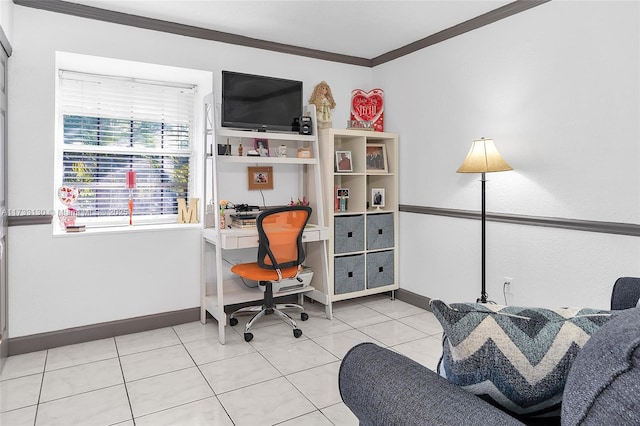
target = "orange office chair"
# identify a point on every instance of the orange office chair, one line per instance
(280, 256)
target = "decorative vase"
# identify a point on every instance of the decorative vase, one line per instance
(222, 222)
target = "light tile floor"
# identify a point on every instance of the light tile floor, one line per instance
(182, 375)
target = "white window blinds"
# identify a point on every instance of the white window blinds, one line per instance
(114, 125)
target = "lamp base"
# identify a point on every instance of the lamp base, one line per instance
(483, 299)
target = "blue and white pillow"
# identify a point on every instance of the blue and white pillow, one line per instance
(517, 358)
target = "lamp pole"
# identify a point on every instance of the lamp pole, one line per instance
(483, 291)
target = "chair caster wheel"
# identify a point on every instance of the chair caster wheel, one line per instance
(297, 332)
(248, 337)
(304, 316)
(233, 321)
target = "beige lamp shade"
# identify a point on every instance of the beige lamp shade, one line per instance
(483, 157)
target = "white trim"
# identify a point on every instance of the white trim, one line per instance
(131, 229)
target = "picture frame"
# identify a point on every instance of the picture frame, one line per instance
(261, 146)
(343, 161)
(343, 192)
(260, 178)
(377, 197)
(377, 158)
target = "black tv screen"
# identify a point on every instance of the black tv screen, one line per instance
(260, 103)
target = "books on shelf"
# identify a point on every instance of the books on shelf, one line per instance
(243, 220)
(75, 228)
(243, 224)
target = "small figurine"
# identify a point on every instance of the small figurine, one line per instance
(322, 98)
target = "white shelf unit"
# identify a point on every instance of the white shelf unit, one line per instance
(363, 248)
(219, 287)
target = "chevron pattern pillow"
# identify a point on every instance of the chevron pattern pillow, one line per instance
(514, 357)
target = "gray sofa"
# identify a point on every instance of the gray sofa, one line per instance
(382, 387)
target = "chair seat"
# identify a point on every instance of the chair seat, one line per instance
(252, 271)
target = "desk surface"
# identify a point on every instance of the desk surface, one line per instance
(238, 238)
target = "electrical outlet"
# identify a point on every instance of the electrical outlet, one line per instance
(507, 281)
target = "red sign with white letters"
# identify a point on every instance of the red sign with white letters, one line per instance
(368, 106)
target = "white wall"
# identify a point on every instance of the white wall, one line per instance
(557, 88)
(63, 282)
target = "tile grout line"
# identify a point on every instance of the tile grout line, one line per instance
(44, 370)
(215, 395)
(124, 381)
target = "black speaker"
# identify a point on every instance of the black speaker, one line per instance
(295, 126)
(306, 127)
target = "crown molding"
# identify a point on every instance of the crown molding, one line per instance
(83, 11)
(464, 27)
(4, 42)
(90, 12)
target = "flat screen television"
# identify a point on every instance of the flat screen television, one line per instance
(260, 103)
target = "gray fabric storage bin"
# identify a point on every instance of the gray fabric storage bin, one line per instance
(348, 274)
(348, 234)
(379, 231)
(380, 267)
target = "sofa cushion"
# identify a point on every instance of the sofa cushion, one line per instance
(603, 386)
(517, 358)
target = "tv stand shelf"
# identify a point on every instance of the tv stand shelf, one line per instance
(233, 133)
(266, 160)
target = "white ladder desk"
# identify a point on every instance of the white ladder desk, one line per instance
(223, 292)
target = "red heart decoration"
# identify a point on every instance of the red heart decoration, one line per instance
(368, 106)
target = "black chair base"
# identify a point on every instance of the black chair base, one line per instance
(268, 308)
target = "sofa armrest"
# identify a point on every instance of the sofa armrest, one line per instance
(625, 294)
(382, 387)
(603, 383)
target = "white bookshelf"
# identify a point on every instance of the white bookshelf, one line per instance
(363, 248)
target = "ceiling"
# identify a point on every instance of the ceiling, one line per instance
(359, 28)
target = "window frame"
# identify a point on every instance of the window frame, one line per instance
(202, 80)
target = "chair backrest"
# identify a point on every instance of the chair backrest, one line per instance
(280, 236)
(625, 294)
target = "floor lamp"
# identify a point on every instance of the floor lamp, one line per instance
(483, 157)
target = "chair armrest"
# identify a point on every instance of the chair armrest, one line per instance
(382, 387)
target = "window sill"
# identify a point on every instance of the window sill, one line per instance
(129, 229)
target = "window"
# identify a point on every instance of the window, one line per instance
(113, 125)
